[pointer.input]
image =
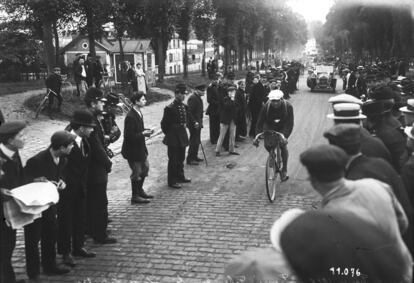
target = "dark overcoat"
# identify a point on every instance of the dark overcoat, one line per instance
(174, 123)
(133, 146)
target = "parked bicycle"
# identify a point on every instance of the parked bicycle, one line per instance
(44, 102)
(273, 167)
(67, 90)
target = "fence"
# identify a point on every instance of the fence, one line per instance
(33, 76)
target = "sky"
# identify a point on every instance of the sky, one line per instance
(312, 10)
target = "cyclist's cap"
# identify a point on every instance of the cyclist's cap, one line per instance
(94, 94)
(62, 138)
(344, 98)
(275, 95)
(325, 163)
(346, 111)
(344, 135)
(12, 128)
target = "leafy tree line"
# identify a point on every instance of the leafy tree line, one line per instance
(368, 31)
(240, 26)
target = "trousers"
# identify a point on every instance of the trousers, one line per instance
(232, 135)
(97, 210)
(176, 157)
(7, 245)
(195, 139)
(214, 128)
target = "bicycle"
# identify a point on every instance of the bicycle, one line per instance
(44, 101)
(273, 167)
(66, 89)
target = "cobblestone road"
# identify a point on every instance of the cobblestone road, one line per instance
(189, 235)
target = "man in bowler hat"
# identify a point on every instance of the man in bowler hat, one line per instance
(173, 124)
(47, 165)
(215, 100)
(71, 206)
(196, 109)
(12, 138)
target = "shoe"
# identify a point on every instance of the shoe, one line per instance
(192, 162)
(199, 159)
(56, 270)
(217, 153)
(138, 199)
(68, 260)
(107, 240)
(284, 176)
(175, 186)
(185, 180)
(234, 153)
(83, 253)
(144, 195)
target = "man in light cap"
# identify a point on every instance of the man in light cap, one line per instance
(359, 166)
(350, 113)
(277, 115)
(47, 165)
(12, 138)
(367, 199)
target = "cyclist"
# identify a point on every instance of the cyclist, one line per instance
(54, 83)
(277, 115)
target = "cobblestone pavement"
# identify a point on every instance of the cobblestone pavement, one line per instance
(189, 235)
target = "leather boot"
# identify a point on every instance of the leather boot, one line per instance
(136, 198)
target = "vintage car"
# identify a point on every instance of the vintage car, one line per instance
(322, 78)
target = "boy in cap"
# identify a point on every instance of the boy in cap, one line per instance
(173, 124)
(71, 205)
(12, 137)
(367, 199)
(277, 115)
(54, 83)
(196, 109)
(99, 168)
(47, 165)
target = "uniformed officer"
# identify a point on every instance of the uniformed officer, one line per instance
(173, 124)
(11, 176)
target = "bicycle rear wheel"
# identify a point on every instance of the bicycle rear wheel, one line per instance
(41, 106)
(272, 176)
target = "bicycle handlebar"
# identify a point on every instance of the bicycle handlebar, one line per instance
(268, 131)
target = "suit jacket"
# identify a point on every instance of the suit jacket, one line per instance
(241, 103)
(42, 165)
(174, 123)
(196, 109)
(257, 97)
(228, 111)
(214, 99)
(100, 164)
(373, 146)
(133, 146)
(54, 82)
(78, 73)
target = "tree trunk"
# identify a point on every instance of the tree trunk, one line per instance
(48, 45)
(241, 55)
(203, 63)
(91, 32)
(122, 59)
(57, 47)
(161, 59)
(246, 59)
(185, 60)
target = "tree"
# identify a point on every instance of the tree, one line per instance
(203, 18)
(184, 28)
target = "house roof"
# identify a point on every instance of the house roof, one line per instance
(132, 46)
(77, 39)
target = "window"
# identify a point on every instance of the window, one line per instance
(173, 43)
(149, 60)
(171, 70)
(171, 57)
(179, 68)
(178, 43)
(175, 69)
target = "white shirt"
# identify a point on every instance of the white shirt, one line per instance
(83, 71)
(8, 152)
(56, 159)
(138, 111)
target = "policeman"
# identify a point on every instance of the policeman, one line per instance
(173, 124)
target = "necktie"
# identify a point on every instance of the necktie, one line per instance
(82, 148)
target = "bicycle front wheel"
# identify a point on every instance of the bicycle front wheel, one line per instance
(272, 178)
(41, 106)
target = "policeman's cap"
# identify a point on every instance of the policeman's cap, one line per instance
(181, 88)
(12, 128)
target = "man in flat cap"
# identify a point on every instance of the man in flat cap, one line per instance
(359, 166)
(71, 206)
(99, 168)
(392, 138)
(241, 123)
(196, 109)
(346, 111)
(173, 124)
(47, 165)
(12, 139)
(214, 99)
(367, 199)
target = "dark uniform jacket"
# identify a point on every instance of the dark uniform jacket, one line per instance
(228, 111)
(373, 146)
(54, 82)
(42, 165)
(214, 99)
(133, 146)
(257, 97)
(75, 172)
(100, 164)
(241, 102)
(268, 115)
(196, 109)
(174, 123)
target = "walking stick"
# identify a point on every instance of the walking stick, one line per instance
(204, 154)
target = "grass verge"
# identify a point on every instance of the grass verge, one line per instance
(18, 87)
